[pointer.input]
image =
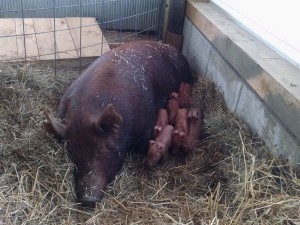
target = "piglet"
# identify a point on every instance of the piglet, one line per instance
(184, 95)
(195, 123)
(158, 148)
(161, 122)
(181, 130)
(173, 95)
(172, 107)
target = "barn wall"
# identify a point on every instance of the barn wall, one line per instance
(261, 87)
(111, 14)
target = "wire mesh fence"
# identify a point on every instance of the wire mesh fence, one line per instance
(55, 30)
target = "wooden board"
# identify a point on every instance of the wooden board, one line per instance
(30, 39)
(8, 47)
(45, 39)
(89, 46)
(20, 39)
(40, 43)
(63, 38)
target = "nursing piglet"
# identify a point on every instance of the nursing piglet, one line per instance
(181, 130)
(172, 107)
(195, 122)
(184, 95)
(161, 122)
(158, 148)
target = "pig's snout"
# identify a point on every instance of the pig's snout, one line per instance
(89, 189)
(89, 198)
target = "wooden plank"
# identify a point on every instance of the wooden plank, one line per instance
(20, 39)
(64, 41)
(8, 45)
(176, 16)
(45, 41)
(30, 39)
(39, 39)
(93, 42)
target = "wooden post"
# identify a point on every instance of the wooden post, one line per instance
(175, 23)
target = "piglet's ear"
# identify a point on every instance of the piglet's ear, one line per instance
(109, 121)
(151, 142)
(54, 127)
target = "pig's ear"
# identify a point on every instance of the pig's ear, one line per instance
(53, 127)
(109, 121)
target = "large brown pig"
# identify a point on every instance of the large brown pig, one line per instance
(195, 122)
(110, 109)
(161, 122)
(158, 149)
(181, 130)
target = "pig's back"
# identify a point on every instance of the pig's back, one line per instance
(136, 78)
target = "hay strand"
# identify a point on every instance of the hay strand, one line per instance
(231, 178)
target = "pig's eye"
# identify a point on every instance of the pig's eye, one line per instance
(106, 128)
(102, 128)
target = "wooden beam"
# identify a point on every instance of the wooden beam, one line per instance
(175, 23)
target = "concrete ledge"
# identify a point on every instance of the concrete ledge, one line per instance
(258, 84)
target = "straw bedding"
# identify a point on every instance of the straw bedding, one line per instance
(231, 178)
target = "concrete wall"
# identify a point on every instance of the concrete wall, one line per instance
(204, 52)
